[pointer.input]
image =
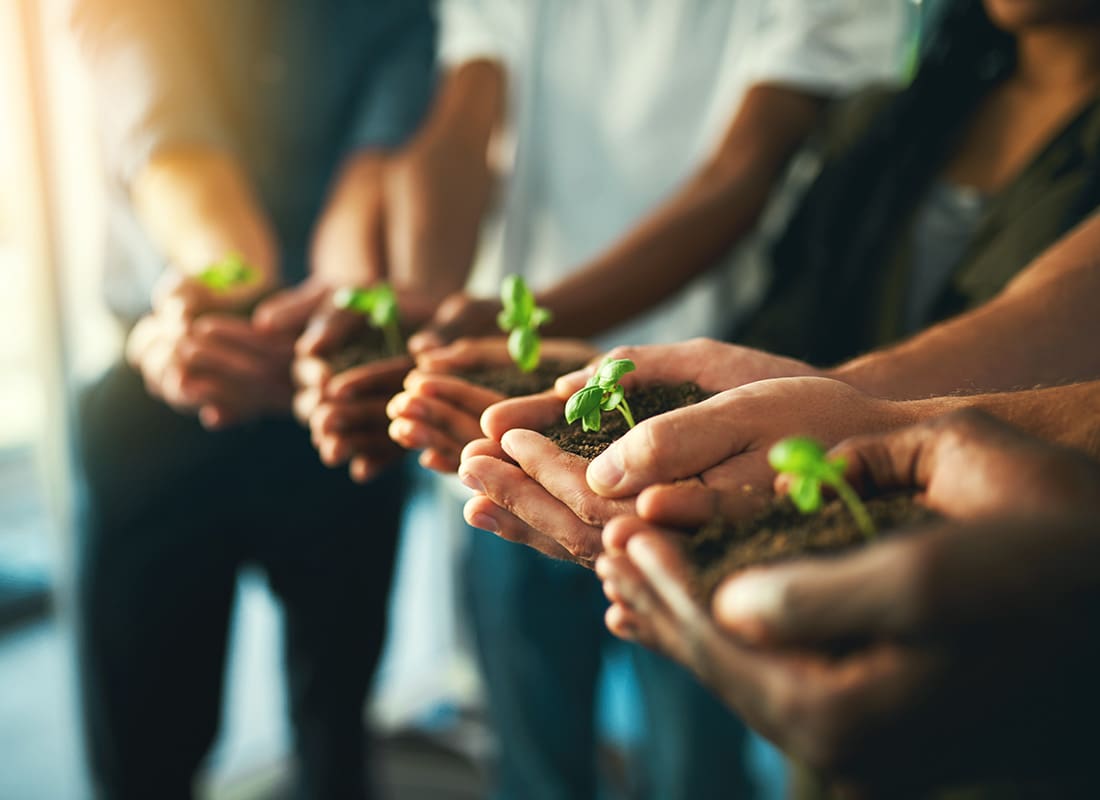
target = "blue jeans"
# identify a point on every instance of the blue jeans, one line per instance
(540, 633)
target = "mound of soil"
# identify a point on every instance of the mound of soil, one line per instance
(645, 402)
(781, 533)
(510, 382)
(367, 346)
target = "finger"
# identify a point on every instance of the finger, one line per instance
(562, 474)
(509, 488)
(439, 461)
(665, 448)
(338, 450)
(327, 331)
(305, 402)
(239, 334)
(414, 435)
(461, 422)
(455, 391)
(310, 372)
(335, 419)
(689, 504)
(483, 513)
(363, 469)
(818, 600)
(288, 311)
(199, 355)
(464, 353)
(381, 377)
(618, 531)
(536, 412)
(485, 447)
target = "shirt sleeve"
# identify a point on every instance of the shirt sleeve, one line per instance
(471, 30)
(398, 92)
(832, 46)
(150, 87)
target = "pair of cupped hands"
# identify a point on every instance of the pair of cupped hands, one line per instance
(896, 667)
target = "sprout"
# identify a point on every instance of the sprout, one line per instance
(602, 392)
(520, 319)
(229, 273)
(379, 305)
(804, 460)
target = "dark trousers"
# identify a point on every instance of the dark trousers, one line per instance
(540, 632)
(170, 513)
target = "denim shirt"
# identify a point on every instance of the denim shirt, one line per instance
(289, 86)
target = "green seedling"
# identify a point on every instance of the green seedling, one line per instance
(232, 272)
(602, 392)
(379, 305)
(521, 319)
(804, 460)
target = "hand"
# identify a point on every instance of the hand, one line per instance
(931, 681)
(459, 315)
(439, 412)
(720, 443)
(969, 465)
(216, 365)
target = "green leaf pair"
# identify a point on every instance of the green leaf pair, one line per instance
(230, 273)
(521, 318)
(602, 392)
(379, 305)
(810, 468)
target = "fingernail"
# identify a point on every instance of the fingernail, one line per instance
(606, 471)
(484, 521)
(748, 603)
(470, 482)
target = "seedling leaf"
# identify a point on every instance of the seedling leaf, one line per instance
(520, 318)
(805, 461)
(229, 273)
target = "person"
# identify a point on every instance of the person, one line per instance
(603, 230)
(900, 667)
(1005, 337)
(266, 131)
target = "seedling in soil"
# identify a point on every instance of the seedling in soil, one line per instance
(232, 272)
(602, 392)
(520, 319)
(379, 305)
(804, 460)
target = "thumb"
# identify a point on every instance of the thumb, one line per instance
(869, 594)
(288, 311)
(665, 448)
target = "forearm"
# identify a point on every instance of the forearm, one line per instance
(1065, 415)
(467, 111)
(695, 226)
(197, 204)
(1040, 330)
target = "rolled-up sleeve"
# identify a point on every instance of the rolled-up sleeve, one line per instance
(471, 30)
(832, 46)
(150, 88)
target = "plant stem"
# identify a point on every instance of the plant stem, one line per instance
(859, 511)
(625, 409)
(394, 343)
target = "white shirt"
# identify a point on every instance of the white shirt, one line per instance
(614, 103)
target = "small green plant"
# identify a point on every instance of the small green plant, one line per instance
(521, 319)
(379, 305)
(602, 392)
(230, 273)
(804, 460)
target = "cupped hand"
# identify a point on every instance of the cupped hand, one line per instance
(714, 366)
(969, 465)
(439, 412)
(216, 365)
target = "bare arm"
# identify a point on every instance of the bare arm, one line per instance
(684, 236)
(1042, 329)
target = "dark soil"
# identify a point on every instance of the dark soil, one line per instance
(645, 402)
(781, 532)
(510, 382)
(367, 346)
